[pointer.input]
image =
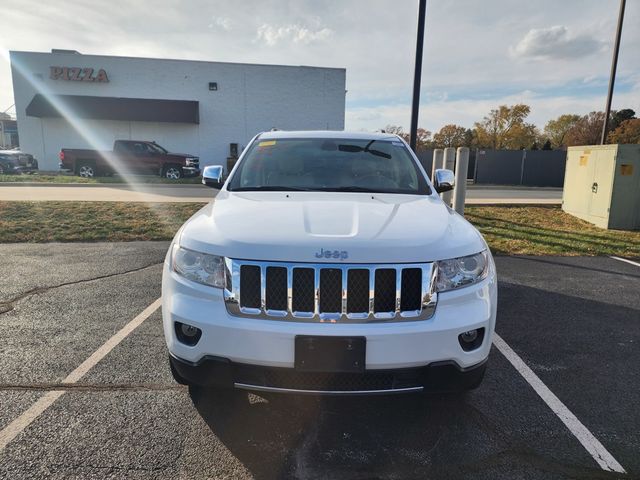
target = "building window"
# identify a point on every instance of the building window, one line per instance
(213, 86)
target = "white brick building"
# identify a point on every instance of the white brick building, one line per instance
(186, 106)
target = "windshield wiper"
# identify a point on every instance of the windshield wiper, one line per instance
(270, 188)
(366, 149)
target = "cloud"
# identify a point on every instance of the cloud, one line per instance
(271, 35)
(555, 42)
(221, 22)
(463, 77)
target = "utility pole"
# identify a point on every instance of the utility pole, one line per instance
(612, 77)
(417, 75)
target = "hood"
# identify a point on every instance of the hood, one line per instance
(352, 227)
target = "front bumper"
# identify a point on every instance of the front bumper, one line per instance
(436, 377)
(190, 171)
(271, 343)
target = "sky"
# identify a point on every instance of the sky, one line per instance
(553, 55)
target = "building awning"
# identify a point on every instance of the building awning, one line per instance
(114, 108)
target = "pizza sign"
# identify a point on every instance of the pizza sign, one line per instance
(76, 74)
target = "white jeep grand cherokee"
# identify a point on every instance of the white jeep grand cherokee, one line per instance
(328, 264)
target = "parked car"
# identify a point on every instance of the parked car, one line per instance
(130, 157)
(328, 264)
(15, 162)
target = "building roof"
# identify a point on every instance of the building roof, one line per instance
(74, 53)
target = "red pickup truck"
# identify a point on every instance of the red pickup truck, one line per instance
(129, 157)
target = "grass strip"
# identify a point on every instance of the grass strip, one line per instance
(91, 221)
(547, 230)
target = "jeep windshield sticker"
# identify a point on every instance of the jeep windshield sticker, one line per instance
(267, 143)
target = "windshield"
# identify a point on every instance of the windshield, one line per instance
(154, 147)
(329, 164)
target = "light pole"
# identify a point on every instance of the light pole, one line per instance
(612, 77)
(417, 75)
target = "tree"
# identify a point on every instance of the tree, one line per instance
(505, 127)
(586, 131)
(395, 129)
(423, 137)
(451, 136)
(556, 130)
(620, 116)
(469, 137)
(627, 132)
(547, 145)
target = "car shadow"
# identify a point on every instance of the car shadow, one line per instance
(481, 434)
(501, 430)
(283, 436)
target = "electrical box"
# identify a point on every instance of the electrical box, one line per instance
(602, 185)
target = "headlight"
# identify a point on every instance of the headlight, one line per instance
(462, 271)
(199, 267)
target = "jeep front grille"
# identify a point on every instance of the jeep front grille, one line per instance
(323, 292)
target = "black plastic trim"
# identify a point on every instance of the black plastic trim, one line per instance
(436, 377)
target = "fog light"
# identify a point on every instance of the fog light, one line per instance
(471, 339)
(187, 334)
(467, 337)
(190, 330)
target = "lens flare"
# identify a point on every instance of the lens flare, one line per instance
(88, 133)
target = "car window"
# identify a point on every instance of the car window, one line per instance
(327, 164)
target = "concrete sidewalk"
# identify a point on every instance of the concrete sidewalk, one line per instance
(199, 193)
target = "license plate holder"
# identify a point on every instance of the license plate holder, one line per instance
(330, 354)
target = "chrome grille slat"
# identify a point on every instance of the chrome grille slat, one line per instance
(398, 289)
(338, 298)
(372, 290)
(263, 287)
(289, 288)
(343, 292)
(316, 292)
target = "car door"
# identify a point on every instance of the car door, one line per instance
(151, 160)
(137, 157)
(126, 157)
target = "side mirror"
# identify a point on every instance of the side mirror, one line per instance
(212, 176)
(444, 180)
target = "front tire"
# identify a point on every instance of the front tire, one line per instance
(172, 172)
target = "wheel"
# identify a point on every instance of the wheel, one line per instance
(86, 170)
(172, 172)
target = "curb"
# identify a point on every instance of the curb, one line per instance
(107, 185)
(511, 187)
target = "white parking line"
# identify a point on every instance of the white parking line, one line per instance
(625, 260)
(12, 430)
(584, 436)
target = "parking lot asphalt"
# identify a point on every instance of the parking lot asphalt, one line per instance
(574, 322)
